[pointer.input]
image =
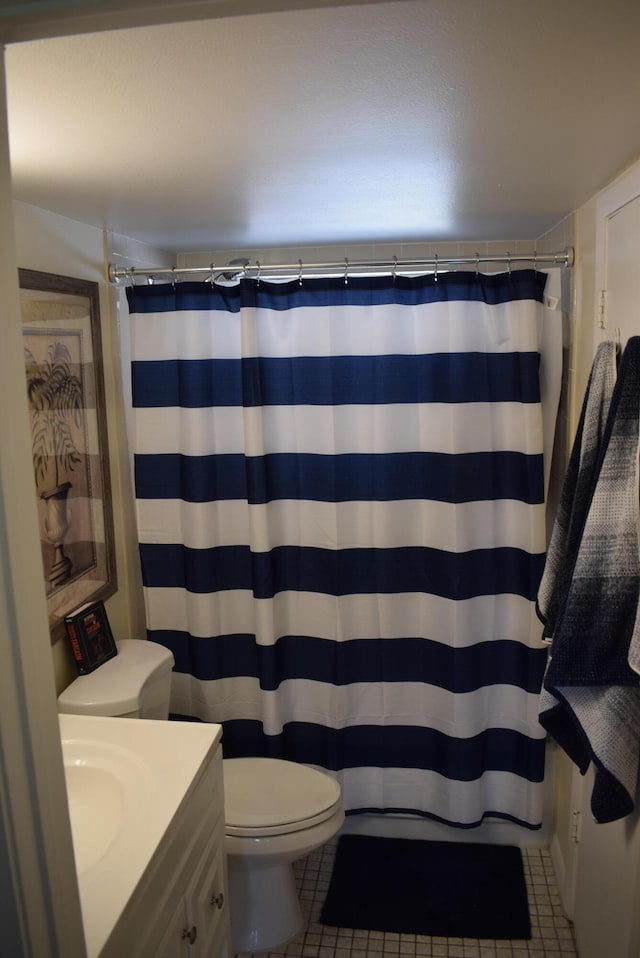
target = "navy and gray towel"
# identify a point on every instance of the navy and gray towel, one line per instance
(588, 598)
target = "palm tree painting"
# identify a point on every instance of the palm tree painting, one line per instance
(56, 403)
(62, 341)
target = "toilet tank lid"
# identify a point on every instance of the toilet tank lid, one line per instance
(114, 687)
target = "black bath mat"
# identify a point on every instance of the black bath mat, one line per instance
(448, 889)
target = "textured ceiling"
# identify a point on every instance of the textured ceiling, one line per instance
(418, 120)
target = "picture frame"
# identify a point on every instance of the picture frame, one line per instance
(65, 390)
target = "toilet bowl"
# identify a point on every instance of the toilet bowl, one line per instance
(276, 812)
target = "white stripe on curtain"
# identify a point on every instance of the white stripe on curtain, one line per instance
(365, 703)
(384, 329)
(341, 521)
(492, 795)
(391, 428)
(457, 527)
(459, 623)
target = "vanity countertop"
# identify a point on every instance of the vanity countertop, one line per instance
(126, 781)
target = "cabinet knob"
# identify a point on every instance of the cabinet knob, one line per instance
(217, 900)
(190, 934)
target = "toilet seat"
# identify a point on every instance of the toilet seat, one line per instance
(270, 796)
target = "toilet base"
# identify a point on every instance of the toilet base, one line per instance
(264, 908)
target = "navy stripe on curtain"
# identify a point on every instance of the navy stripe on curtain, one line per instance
(457, 759)
(336, 381)
(362, 660)
(466, 477)
(341, 520)
(522, 284)
(342, 571)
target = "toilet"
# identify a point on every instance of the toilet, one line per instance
(275, 811)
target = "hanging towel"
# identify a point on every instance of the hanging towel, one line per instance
(591, 696)
(577, 486)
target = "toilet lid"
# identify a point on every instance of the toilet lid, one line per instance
(270, 796)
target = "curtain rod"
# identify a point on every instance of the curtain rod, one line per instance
(245, 269)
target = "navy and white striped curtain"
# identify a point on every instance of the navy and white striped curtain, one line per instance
(340, 495)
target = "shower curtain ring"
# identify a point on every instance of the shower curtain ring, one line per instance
(259, 271)
(346, 271)
(132, 276)
(299, 272)
(395, 268)
(509, 262)
(477, 265)
(173, 276)
(212, 267)
(435, 272)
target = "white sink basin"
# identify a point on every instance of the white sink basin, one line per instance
(107, 786)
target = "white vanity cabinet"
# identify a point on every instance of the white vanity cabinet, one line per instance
(181, 905)
(146, 804)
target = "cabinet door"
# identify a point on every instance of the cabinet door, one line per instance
(175, 943)
(207, 902)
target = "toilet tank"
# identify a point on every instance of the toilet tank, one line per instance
(135, 683)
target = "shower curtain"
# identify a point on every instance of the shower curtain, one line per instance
(340, 499)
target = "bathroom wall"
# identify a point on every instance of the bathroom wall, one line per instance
(589, 859)
(55, 244)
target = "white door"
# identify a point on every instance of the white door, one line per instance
(606, 911)
(618, 254)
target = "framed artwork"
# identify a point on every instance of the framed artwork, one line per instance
(65, 389)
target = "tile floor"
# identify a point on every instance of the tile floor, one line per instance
(552, 934)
